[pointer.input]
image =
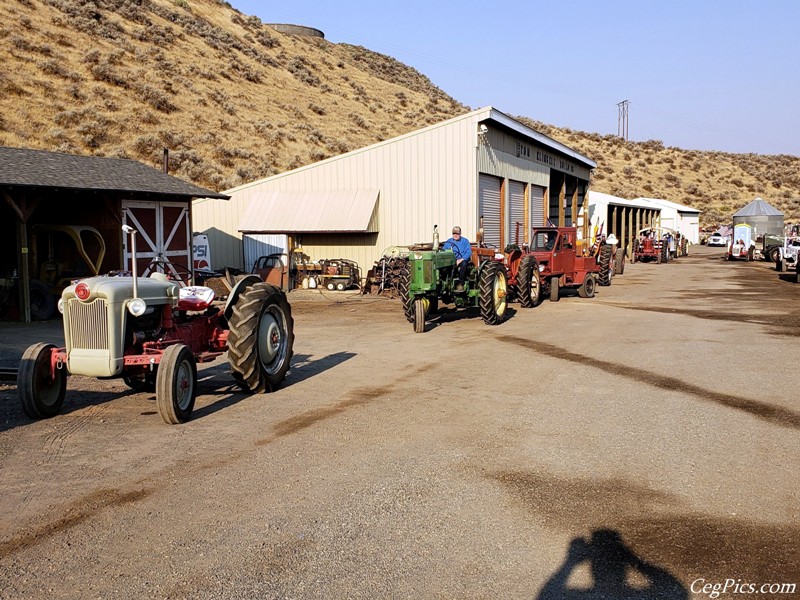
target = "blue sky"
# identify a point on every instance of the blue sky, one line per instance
(706, 75)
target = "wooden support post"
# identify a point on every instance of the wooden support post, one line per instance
(561, 196)
(574, 212)
(623, 230)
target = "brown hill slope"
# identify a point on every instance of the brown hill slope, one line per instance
(234, 100)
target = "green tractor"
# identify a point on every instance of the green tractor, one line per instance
(431, 276)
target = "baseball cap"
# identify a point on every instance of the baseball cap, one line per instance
(457, 229)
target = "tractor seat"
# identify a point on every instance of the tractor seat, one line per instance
(195, 298)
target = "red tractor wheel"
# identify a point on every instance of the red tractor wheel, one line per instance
(604, 262)
(586, 290)
(529, 282)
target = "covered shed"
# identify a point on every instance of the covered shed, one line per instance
(61, 218)
(483, 167)
(679, 217)
(761, 216)
(624, 218)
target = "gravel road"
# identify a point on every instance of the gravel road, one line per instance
(623, 446)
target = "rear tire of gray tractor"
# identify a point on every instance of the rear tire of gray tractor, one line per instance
(774, 254)
(619, 261)
(493, 299)
(587, 287)
(604, 262)
(261, 338)
(554, 289)
(41, 396)
(176, 384)
(419, 315)
(529, 283)
(402, 288)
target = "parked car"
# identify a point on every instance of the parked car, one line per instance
(718, 239)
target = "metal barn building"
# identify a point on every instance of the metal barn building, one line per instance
(624, 218)
(354, 206)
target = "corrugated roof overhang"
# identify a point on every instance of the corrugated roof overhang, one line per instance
(320, 211)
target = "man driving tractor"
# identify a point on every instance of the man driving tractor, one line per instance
(461, 248)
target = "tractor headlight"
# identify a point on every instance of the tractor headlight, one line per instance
(136, 307)
(61, 305)
(541, 268)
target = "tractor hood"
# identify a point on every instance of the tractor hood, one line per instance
(119, 289)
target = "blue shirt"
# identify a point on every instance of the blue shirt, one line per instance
(460, 248)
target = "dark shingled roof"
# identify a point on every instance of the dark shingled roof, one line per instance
(42, 169)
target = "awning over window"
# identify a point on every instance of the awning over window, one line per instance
(306, 211)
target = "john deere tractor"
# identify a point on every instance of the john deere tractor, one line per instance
(431, 276)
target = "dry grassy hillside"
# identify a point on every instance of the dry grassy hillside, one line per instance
(234, 100)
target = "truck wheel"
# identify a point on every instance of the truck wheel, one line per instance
(587, 287)
(419, 315)
(619, 262)
(42, 301)
(780, 265)
(261, 338)
(529, 283)
(493, 294)
(176, 384)
(41, 395)
(554, 289)
(774, 254)
(402, 287)
(604, 261)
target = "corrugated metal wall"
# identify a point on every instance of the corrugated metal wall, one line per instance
(516, 211)
(255, 245)
(425, 178)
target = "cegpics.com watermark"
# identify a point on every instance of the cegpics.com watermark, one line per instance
(731, 587)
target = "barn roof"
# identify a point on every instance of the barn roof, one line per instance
(756, 208)
(21, 167)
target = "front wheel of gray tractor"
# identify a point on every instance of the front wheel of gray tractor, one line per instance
(604, 261)
(529, 282)
(176, 384)
(493, 298)
(41, 394)
(261, 338)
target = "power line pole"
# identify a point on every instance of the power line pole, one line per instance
(622, 119)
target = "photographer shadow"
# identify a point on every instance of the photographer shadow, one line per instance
(616, 573)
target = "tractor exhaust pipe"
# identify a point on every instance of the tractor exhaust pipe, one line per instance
(435, 237)
(130, 230)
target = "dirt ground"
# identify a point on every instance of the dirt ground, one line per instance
(623, 446)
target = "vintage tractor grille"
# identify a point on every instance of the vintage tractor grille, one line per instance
(88, 324)
(427, 270)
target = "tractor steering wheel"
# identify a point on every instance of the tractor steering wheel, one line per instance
(183, 275)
